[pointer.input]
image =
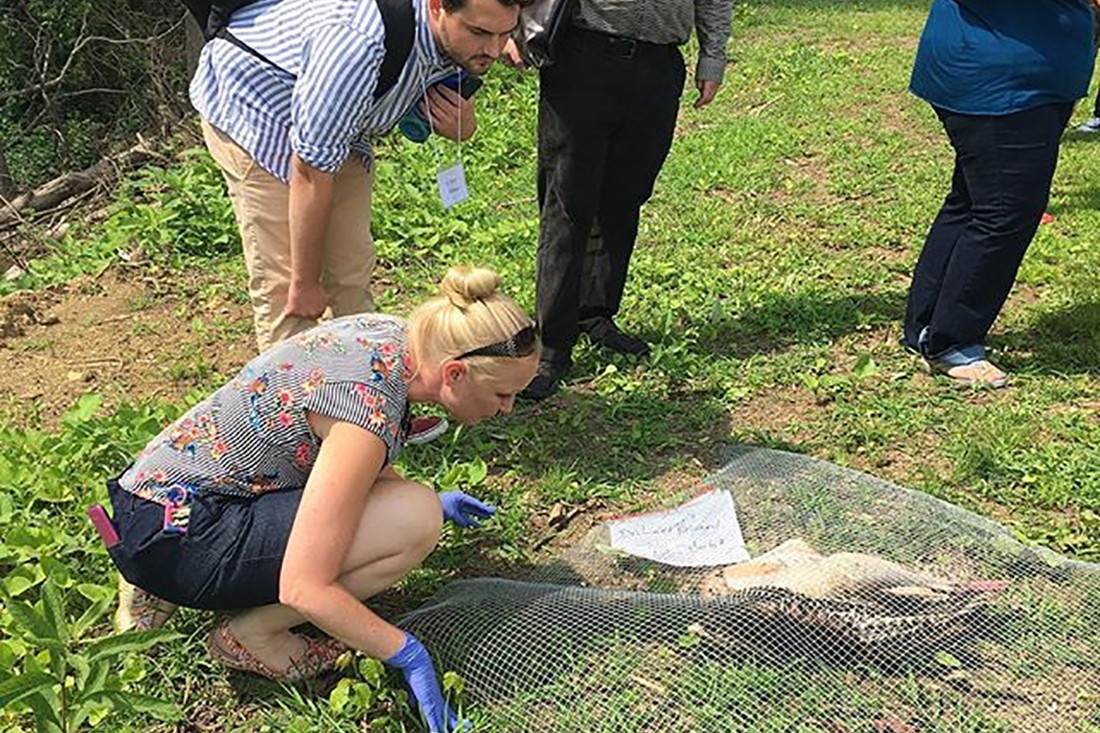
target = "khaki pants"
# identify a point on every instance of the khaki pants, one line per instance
(261, 203)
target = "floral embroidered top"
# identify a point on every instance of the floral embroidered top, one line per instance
(252, 436)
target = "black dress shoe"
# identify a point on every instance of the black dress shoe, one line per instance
(605, 334)
(546, 382)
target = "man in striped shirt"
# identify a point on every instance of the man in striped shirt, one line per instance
(291, 123)
(607, 111)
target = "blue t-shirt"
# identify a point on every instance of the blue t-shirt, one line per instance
(996, 57)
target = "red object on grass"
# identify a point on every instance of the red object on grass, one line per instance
(1047, 218)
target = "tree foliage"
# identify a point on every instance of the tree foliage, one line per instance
(79, 77)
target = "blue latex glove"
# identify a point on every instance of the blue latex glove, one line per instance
(415, 664)
(463, 509)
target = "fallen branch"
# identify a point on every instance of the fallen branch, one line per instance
(52, 194)
(763, 106)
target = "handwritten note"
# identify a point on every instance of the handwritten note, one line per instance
(702, 532)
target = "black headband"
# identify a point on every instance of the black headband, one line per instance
(517, 346)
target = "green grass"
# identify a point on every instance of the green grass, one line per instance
(751, 696)
(770, 274)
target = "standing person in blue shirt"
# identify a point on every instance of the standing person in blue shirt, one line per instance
(289, 119)
(1002, 77)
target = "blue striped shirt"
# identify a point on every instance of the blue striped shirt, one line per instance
(317, 100)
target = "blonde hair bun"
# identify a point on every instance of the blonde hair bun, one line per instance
(464, 286)
(450, 324)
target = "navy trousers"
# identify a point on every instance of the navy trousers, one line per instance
(1003, 170)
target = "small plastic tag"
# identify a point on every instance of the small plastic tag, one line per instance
(452, 185)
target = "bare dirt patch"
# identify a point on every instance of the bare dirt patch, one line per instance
(784, 411)
(1022, 296)
(125, 337)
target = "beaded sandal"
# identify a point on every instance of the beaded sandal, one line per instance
(319, 656)
(140, 610)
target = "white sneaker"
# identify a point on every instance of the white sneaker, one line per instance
(1090, 125)
(979, 373)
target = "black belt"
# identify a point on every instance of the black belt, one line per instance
(621, 46)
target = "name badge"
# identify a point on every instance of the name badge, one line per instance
(452, 185)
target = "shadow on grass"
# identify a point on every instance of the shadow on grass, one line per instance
(807, 318)
(1066, 341)
(1073, 136)
(584, 448)
(595, 434)
(1079, 199)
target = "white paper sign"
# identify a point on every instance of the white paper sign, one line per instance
(702, 532)
(452, 185)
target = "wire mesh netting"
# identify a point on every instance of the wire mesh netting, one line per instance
(866, 607)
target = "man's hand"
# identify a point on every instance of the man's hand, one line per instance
(512, 58)
(306, 299)
(450, 113)
(310, 206)
(707, 90)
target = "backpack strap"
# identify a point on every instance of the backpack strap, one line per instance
(400, 25)
(224, 34)
(397, 17)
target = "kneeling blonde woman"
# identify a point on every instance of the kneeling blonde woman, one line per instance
(276, 495)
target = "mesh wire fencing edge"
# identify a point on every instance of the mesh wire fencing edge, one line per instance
(866, 607)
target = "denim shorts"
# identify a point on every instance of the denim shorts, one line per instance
(229, 558)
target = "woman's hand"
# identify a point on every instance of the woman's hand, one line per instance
(415, 664)
(463, 509)
(451, 115)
